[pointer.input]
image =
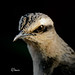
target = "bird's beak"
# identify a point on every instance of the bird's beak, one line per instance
(20, 35)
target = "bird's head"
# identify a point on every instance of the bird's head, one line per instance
(35, 27)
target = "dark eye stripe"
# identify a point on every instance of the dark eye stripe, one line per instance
(49, 27)
(39, 29)
(43, 28)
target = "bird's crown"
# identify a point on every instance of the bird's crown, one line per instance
(34, 20)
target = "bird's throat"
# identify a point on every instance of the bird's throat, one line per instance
(41, 65)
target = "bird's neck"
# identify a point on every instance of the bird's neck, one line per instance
(41, 65)
(54, 50)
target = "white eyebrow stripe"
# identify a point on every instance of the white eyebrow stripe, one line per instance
(46, 21)
(43, 21)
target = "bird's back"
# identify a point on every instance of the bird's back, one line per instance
(67, 64)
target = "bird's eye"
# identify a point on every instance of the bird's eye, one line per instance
(40, 29)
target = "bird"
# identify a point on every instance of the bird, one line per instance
(50, 54)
